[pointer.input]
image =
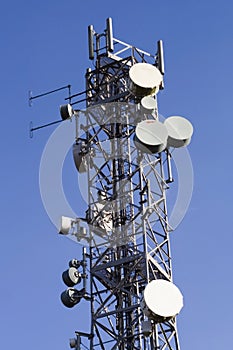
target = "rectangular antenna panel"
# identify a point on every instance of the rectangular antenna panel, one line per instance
(160, 57)
(109, 35)
(91, 41)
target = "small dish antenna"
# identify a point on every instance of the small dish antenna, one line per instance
(66, 111)
(180, 131)
(145, 79)
(71, 277)
(151, 136)
(162, 300)
(70, 297)
(148, 104)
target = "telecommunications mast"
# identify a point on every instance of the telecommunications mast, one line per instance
(123, 150)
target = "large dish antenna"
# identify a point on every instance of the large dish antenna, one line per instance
(162, 300)
(151, 136)
(145, 79)
(180, 131)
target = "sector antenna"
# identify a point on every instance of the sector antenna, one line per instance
(123, 149)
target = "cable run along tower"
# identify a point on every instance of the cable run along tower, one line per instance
(122, 149)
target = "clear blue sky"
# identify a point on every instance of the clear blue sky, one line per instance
(44, 46)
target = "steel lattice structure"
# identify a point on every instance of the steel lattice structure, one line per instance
(127, 219)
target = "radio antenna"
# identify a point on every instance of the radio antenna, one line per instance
(31, 98)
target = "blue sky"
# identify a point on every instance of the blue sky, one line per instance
(44, 46)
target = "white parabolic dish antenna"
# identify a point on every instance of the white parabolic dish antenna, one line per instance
(145, 79)
(163, 298)
(148, 103)
(180, 131)
(152, 134)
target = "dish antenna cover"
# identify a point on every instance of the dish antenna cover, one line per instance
(145, 79)
(180, 131)
(151, 136)
(162, 300)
